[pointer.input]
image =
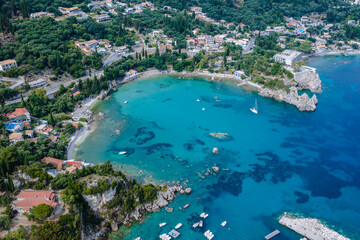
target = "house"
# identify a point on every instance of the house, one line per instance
(70, 11)
(19, 115)
(220, 38)
(76, 93)
(57, 163)
(190, 43)
(7, 64)
(37, 83)
(34, 140)
(92, 44)
(29, 133)
(304, 20)
(74, 164)
(26, 124)
(288, 57)
(129, 10)
(196, 10)
(53, 138)
(130, 73)
(28, 199)
(209, 40)
(16, 137)
(42, 14)
(102, 18)
(351, 22)
(239, 74)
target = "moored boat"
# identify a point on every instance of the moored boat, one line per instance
(187, 205)
(223, 223)
(162, 224)
(178, 225)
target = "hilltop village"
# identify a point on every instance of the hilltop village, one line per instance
(55, 61)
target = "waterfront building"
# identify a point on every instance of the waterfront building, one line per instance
(7, 64)
(238, 74)
(288, 57)
(57, 163)
(19, 115)
(130, 73)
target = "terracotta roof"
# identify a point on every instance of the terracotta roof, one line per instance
(53, 161)
(29, 203)
(74, 164)
(26, 124)
(17, 112)
(36, 194)
(16, 136)
(7, 61)
(76, 125)
(33, 140)
(53, 138)
(76, 93)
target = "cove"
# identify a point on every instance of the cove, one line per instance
(278, 160)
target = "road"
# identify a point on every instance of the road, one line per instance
(54, 87)
(250, 47)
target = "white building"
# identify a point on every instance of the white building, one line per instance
(37, 83)
(288, 57)
(238, 74)
(7, 64)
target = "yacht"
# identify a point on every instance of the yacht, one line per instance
(162, 224)
(201, 223)
(178, 225)
(223, 223)
(122, 153)
(254, 109)
(195, 225)
(186, 205)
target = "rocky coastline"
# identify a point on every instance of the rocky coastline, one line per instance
(112, 224)
(303, 102)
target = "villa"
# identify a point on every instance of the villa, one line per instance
(57, 163)
(7, 64)
(16, 137)
(19, 115)
(288, 57)
(28, 199)
(130, 73)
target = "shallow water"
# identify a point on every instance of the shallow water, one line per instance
(279, 160)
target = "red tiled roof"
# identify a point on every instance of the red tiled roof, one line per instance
(74, 164)
(36, 194)
(76, 125)
(33, 140)
(76, 93)
(26, 124)
(53, 161)
(53, 138)
(17, 112)
(27, 204)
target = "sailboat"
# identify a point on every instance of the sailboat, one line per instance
(254, 109)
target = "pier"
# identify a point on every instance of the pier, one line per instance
(310, 228)
(173, 233)
(271, 235)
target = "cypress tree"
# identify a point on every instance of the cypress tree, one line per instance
(23, 104)
(51, 120)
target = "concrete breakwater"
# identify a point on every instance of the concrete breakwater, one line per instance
(310, 228)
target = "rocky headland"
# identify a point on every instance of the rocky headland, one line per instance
(302, 102)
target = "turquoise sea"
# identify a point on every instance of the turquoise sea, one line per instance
(278, 160)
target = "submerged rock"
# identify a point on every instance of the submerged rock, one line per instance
(222, 136)
(215, 150)
(302, 102)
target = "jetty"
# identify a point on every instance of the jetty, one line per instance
(310, 228)
(272, 234)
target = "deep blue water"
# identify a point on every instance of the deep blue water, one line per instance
(279, 160)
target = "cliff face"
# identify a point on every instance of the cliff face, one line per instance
(308, 79)
(114, 217)
(302, 102)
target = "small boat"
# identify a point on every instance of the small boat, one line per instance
(164, 237)
(223, 223)
(195, 225)
(201, 223)
(204, 215)
(203, 109)
(162, 224)
(122, 153)
(186, 206)
(209, 235)
(198, 100)
(254, 109)
(125, 102)
(178, 225)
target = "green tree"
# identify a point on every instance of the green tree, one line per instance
(5, 222)
(41, 211)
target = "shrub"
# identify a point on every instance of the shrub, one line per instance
(41, 211)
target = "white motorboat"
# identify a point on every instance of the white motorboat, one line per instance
(122, 153)
(204, 215)
(198, 100)
(201, 223)
(178, 225)
(209, 235)
(223, 223)
(162, 224)
(195, 225)
(203, 109)
(125, 102)
(254, 109)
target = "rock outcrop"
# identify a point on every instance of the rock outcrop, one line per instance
(308, 78)
(96, 202)
(302, 102)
